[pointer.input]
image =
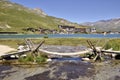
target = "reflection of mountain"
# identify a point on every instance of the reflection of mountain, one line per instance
(15, 17)
(106, 25)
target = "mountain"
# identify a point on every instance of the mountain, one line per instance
(105, 25)
(15, 17)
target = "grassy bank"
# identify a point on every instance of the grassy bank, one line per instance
(107, 43)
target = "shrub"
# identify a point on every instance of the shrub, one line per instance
(30, 58)
(40, 59)
(45, 36)
(26, 59)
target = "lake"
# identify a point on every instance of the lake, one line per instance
(22, 36)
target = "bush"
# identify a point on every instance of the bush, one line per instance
(30, 58)
(45, 36)
(26, 59)
(40, 59)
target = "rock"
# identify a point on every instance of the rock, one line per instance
(85, 59)
(48, 60)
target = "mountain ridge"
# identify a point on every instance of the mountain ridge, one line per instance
(105, 25)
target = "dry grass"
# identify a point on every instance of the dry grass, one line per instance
(114, 43)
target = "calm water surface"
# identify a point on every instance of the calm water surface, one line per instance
(22, 36)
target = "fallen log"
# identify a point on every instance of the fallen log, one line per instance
(66, 54)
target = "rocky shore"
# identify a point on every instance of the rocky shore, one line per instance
(62, 70)
(109, 70)
(56, 70)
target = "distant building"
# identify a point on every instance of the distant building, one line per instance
(71, 29)
(93, 30)
(88, 30)
(80, 30)
(67, 29)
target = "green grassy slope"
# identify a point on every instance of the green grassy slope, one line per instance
(18, 17)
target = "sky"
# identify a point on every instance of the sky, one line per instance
(78, 11)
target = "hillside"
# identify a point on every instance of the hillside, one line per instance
(105, 25)
(15, 17)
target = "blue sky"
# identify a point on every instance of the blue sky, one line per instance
(76, 10)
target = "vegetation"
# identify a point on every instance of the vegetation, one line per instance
(30, 58)
(40, 59)
(12, 43)
(115, 44)
(26, 59)
(46, 36)
(106, 43)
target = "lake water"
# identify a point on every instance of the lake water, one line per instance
(22, 36)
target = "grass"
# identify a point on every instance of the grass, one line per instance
(115, 44)
(30, 58)
(107, 43)
(11, 43)
(26, 59)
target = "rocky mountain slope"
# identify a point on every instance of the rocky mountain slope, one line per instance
(105, 25)
(15, 17)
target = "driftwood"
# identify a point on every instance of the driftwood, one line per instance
(97, 52)
(66, 54)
